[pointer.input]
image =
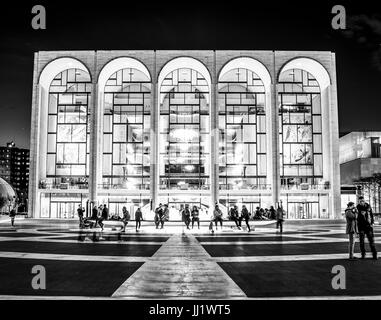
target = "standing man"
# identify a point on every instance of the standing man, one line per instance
(94, 215)
(217, 215)
(164, 215)
(158, 213)
(187, 214)
(365, 222)
(279, 218)
(351, 230)
(104, 216)
(138, 219)
(195, 216)
(12, 215)
(80, 212)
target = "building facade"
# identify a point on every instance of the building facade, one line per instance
(14, 169)
(360, 167)
(139, 128)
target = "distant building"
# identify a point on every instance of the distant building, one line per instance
(360, 160)
(14, 168)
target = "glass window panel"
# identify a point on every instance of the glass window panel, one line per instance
(51, 143)
(316, 122)
(120, 133)
(71, 153)
(50, 164)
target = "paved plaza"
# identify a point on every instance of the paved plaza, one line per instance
(175, 263)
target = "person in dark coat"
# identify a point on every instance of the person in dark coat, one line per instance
(104, 216)
(365, 222)
(272, 213)
(279, 218)
(138, 218)
(125, 219)
(195, 216)
(217, 215)
(234, 215)
(12, 215)
(351, 229)
(245, 215)
(158, 213)
(164, 215)
(94, 215)
(80, 212)
(186, 216)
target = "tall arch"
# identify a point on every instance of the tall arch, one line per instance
(184, 162)
(64, 90)
(124, 99)
(244, 110)
(306, 155)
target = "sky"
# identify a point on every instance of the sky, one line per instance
(193, 25)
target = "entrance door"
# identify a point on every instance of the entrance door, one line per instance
(67, 210)
(303, 210)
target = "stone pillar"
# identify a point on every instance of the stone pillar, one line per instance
(95, 146)
(34, 145)
(214, 136)
(273, 131)
(154, 137)
(334, 132)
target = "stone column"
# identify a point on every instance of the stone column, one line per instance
(273, 131)
(34, 144)
(154, 137)
(95, 146)
(334, 132)
(214, 149)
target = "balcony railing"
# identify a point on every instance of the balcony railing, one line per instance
(63, 185)
(184, 187)
(232, 187)
(123, 186)
(306, 186)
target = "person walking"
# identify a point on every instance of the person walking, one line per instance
(125, 219)
(94, 215)
(217, 215)
(279, 218)
(12, 215)
(365, 222)
(195, 216)
(234, 215)
(138, 218)
(81, 212)
(104, 216)
(351, 229)
(245, 215)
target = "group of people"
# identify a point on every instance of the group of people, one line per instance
(360, 222)
(260, 214)
(189, 216)
(101, 213)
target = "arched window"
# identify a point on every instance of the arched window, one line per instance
(68, 130)
(242, 130)
(126, 130)
(184, 155)
(300, 128)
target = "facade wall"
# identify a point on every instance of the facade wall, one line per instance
(213, 61)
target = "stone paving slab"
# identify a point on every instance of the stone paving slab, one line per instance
(180, 268)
